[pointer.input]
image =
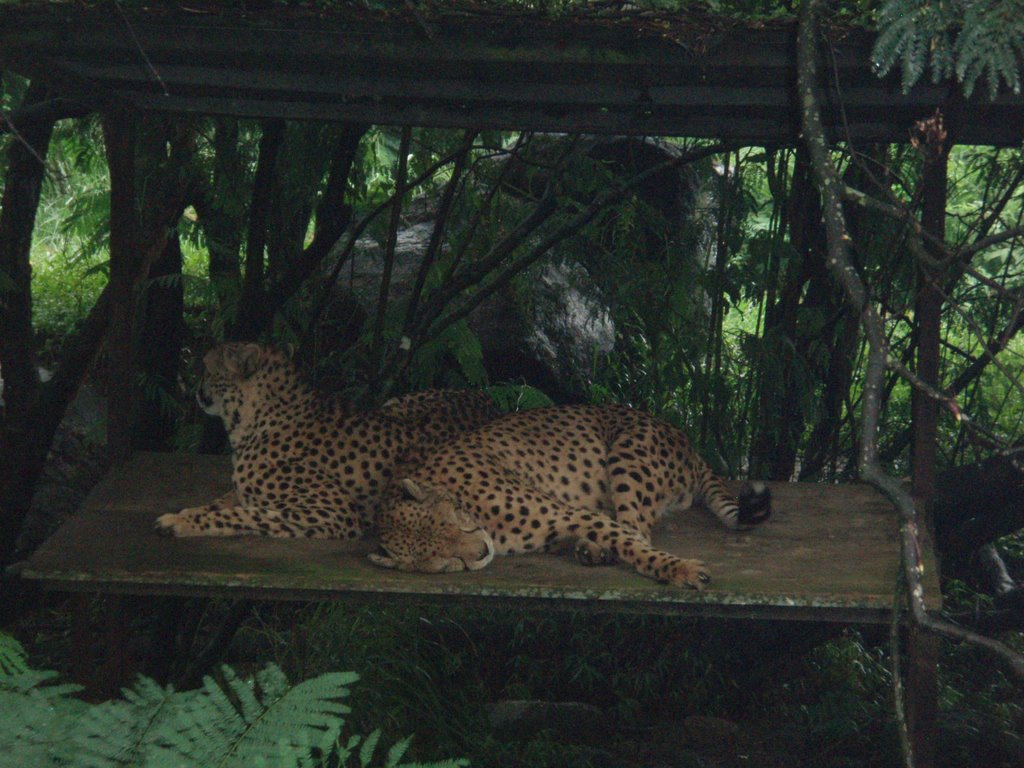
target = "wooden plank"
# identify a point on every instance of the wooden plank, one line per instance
(830, 553)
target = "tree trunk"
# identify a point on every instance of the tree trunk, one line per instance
(843, 340)
(120, 130)
(247, 325)
(17, 346)
(221, 215)
(160, 339)
(264, 295)
(142, 216)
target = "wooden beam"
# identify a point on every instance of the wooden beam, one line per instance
(684, 78)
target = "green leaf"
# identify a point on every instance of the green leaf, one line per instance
(397, 751)
(518, 397)
(369, 745)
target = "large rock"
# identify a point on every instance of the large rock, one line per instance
(549, 328)
(571, 720)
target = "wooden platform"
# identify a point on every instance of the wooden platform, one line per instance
(829, 554)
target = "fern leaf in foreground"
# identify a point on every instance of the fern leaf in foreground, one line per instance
(36, 713)
(251, 723)
(117, 733)
(231, 723)
(13, 659)
(393, 757)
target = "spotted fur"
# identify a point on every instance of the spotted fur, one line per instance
(600, 476)
(304, 463)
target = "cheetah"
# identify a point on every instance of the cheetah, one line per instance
(307, 464)
(598, 475)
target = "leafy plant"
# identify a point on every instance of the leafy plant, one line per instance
(262, 720)
(518, 397)
(971, 40)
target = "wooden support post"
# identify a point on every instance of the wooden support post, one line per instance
(928, 316)
(102, 681)
(922, 687)
(81, 639)
(922, 648)
(114, 672)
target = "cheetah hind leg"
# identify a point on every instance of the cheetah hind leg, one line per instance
(627, 546)
(635, 506)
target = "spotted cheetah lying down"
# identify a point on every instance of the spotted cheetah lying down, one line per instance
(600, 476)
(305, 463)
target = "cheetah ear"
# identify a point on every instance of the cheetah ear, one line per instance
(243, 360)
(412, 490)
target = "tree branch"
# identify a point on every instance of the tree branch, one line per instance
(440, 221)
(354, 234)
(401, 181)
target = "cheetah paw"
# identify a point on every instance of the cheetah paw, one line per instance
(177, 524)
(688, 573)
(588, 553)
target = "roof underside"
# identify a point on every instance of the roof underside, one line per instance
(463, 70)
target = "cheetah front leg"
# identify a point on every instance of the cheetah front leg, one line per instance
(223, 517)
(198, 521)
(227, 517)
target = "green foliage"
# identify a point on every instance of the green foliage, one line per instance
(518, 397)
(458, 345)
(230, 721)
(966, 38)
(799, 702)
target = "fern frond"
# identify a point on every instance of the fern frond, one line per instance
(243, 723)
(971, 39)
(35, 714)
(13, 658)
(903, 38)
(368, 748)
(201, 729)
(393, 759)
(235, 723)
(116, 733)
(397, 752)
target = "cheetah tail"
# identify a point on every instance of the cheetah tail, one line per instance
(752, 507)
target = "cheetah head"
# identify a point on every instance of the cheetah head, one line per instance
(428, 531)
(235, 377)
